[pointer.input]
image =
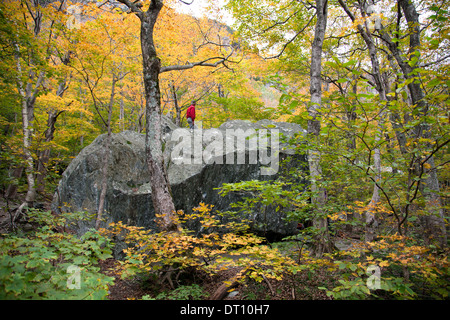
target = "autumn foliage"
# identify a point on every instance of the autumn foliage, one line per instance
(375, 194)
(219, 246)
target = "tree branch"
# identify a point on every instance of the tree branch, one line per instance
(204, 63)
(134, 7)
(435, 62)
(293, 38)
(279, 23)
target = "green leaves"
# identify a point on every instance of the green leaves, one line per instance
(35, 266)
(192, 292)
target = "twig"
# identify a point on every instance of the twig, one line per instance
(268, 283)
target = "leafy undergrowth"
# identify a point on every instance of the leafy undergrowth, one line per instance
(182, 265)
(343, 275)
(50, 262)
(200, 286)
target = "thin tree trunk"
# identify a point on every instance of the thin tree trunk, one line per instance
(434, 223)
(44, 155)
(122, 114)
(27, 119)
(175, 104)
(28, 96)
(104, 186)
(394, 117)
(351, 117)
(318, 197)
(161, 195)
(379, 83)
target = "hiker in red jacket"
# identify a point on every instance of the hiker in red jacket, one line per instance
(190, 114)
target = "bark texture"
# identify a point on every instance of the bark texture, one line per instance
(434, 223)
(318, 198)
(161, 195)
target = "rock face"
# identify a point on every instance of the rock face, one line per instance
(193, 178)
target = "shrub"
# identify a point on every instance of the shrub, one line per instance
(406, 270)
(47, 264)
(220, 246)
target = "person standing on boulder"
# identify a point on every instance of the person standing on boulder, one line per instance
(190, 114)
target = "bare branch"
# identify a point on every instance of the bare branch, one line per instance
(278, 23)
(307, 5)
(435, 62)
(290, 41)
(221, 60)
(204, 63)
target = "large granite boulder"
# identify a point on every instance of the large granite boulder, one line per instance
(192, 180)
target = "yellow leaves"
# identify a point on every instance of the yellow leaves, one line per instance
(401, 251)
(231, 239)
(383, 264)
(404, 261)
(427, 166)
(51, 101)
(211, 251)
(342, 215)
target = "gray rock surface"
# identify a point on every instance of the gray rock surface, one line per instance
(128, 196)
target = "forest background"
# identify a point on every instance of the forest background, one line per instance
(368, 80)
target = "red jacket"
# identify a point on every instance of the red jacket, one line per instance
(191, 112)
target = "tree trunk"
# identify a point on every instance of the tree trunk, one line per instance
(27, 119)
(175, 104)
(434, 223)
(104, 186)
(365, 33)
(161, 195)
(122, 114)
(318, 197)
(28, 96)
(220, 92)
(351, 117)
(44, 155)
